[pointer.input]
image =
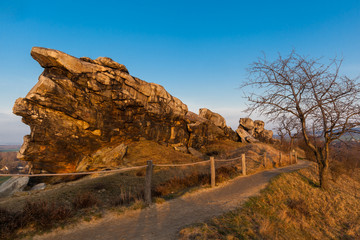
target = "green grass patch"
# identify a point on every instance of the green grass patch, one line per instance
(3, 179)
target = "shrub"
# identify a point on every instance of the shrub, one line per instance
(40, 215)
(84, 200)
(45, 215)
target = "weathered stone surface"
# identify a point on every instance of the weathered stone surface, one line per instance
(247, 124)
(193, 117)
(258, 126)
(245, 136)
(78, 108)
(40, 186)
(82, 110)
(215, 118)
(107, 62)
(267, 134)
(252, 131)
(180, 147)
(195, 152)
(203, 131)
(106, 157)
(13, 185)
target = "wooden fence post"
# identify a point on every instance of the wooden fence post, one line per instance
(212, 169)
(296, 157)
(290, 157)
(243, 164)
(148, 177)
(280, 158)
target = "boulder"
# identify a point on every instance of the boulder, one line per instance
(195, 152)
(258, 126)
(180, 147)
(252, 131)
(203, 130)
(13, 185)
(40, 186)
(247, 124)
(215, 118)
(245, 136)
(202, 133)
(267, 134)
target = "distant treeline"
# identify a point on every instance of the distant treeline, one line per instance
(9, 160)
(9, 148)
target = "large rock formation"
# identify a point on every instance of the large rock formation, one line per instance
(82, 112)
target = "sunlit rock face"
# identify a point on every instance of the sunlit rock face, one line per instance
(80, 106)
(82, 110)
(253, 131)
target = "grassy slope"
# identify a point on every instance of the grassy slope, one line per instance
(291, 207)
(97, 194)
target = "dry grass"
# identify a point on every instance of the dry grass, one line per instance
(92, 195)
(291, 207)
(140, 152)
(34, 215)
(221, 149)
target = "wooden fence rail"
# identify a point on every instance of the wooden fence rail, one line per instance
(150, 168)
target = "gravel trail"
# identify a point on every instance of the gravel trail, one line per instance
(163, 221)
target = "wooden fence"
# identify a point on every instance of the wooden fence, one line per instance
(150, 168)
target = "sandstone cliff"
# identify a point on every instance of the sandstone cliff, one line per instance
(82, 113)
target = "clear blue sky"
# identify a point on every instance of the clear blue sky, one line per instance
(198, 50)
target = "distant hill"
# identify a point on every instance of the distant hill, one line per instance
(352, 136)
(346, 137)
(9, 148)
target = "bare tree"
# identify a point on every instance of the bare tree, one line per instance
(288, 126)
(322, 101)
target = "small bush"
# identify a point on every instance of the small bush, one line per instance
(84, 200)
(44, 215)
(9, 223)
(40, 215)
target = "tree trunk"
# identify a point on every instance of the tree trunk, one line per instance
(291, 142)
(324, 175)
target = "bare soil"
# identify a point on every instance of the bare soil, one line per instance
(163, 221)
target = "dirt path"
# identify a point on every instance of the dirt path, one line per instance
(163, 221)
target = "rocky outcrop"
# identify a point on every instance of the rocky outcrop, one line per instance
(245, 136)
(207, 127)
(13, 185)
(215, 118)
(83, 112)
(37, 187)
(106, 157)
(247, 124)
(253, 131)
